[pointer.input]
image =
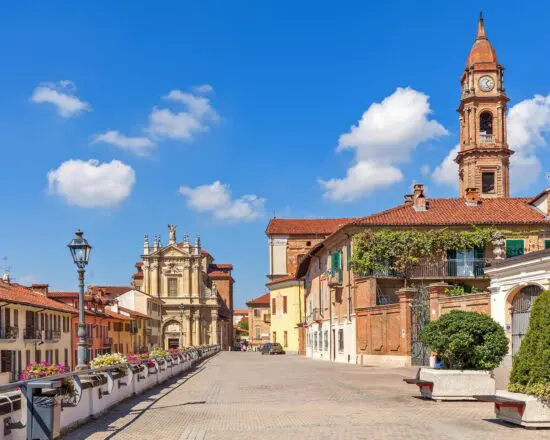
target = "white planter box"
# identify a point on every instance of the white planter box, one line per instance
(533, 414)
(456, 384)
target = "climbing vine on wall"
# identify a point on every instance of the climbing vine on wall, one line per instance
(401, 250)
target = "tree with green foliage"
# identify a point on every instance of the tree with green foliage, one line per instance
(531, 365)
(466, 340)
(243, 324)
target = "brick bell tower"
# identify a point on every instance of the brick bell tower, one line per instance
(484, 156)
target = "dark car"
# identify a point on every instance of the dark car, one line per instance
(271, 348)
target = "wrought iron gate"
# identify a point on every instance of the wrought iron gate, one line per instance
(420, 316)
(521, 313)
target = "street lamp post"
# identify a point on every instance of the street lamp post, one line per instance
(80, 251)
(182, 309)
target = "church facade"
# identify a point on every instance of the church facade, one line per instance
(197, 294)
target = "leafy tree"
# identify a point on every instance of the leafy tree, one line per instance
(243, 324)
(531, 365)
(466, 340)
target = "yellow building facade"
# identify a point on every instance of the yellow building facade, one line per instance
(287, 313)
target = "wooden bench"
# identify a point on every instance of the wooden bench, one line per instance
(503, 402)
(420, 383)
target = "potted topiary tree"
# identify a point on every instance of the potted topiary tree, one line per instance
(469, 346)
(530, 377)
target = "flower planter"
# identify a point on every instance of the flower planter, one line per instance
(455, 384)
(529, 411)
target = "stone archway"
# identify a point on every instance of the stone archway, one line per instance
(521, 303)
(171, 334)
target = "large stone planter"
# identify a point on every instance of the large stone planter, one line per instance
(456, 384)
(534, 413)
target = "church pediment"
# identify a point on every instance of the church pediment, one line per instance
(170, 251)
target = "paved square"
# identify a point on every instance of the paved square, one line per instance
(249, 396)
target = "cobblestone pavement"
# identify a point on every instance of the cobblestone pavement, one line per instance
(249, 396)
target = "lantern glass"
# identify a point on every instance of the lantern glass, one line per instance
(80, 249)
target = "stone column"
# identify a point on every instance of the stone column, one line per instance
(405, 295)
(198, 328)
(214, 328)
(436, 291)
(190, 328)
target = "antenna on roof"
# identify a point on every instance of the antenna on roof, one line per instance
(548, 178)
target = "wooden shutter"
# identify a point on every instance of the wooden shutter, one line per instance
(285, 304)
(451, 262)
(273, 306)
(546, 244)
(514, 248)
(5, 361)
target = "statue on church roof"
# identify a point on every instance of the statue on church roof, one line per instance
(172, 234)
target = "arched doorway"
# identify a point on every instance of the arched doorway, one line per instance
(171, 334)
(521, 313)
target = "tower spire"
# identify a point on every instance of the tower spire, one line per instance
(481, 28)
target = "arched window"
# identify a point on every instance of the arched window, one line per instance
(486, 123)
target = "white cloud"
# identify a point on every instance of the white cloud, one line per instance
(446, 173)
(216, 198)
(384, 136)
(361, 179)
(425, 170)
(183, 125)
(528, 124)
(203, 88)
(138, 145)
(62, 95)
(91, 184)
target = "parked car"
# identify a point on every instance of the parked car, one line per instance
(271, 348)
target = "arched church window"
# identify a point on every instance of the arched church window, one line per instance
(486, 123)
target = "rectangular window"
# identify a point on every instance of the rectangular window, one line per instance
(320, 341)
(285, 304)
(16, 316)
(38, 356)
(66, 357)
(257, 333)
(257, 313)
(5, 366)
(546, 245)
(514, 248)
(488, 183)
(341, 339)
(285, 339)
(326, 340)
(27, 358)
(56, 355)
(172, 287)
(274, 337)
(273, 307)
(315, 341)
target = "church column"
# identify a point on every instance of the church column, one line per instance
(198, 328)
(214, 328)
(193, 275)
(190, 328)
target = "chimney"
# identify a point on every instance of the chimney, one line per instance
(42, 289)
(408, 199)
(6, 277)
(472, 196)
(419, 201)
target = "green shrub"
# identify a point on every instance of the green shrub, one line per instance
(461, 289)
(531, 365)
(466, 340)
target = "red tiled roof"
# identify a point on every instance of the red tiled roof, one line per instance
(112, 314)
(133, 312)
(302, 226)
(19, 294)
(240, 312)
(260, 301)
(457, 212)
(223, 266)
(281, 279)
(110, 290)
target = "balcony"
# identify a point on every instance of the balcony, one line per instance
(486, 138)
(335, 279)
(52, 335)
(32, 334)
(9, 333)
(107, 342)
(437, 269)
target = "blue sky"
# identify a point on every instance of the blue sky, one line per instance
(282, 85)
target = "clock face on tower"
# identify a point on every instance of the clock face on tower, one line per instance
(486, 83)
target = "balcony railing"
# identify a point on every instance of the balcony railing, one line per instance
(486, 138)
(52, 335)
(107, 341)
(32, 333)
(9, 333)
(445, 268)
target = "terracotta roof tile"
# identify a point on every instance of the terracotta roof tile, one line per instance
(302, 226)
(133, 312)
(260, 301)
(240, 312)
(281, 279)
(457, 212)
(19, 294)
(110, 290)
(112, 314)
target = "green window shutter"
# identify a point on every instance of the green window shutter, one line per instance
(514, 248)
(546, 244)
(451, 262)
